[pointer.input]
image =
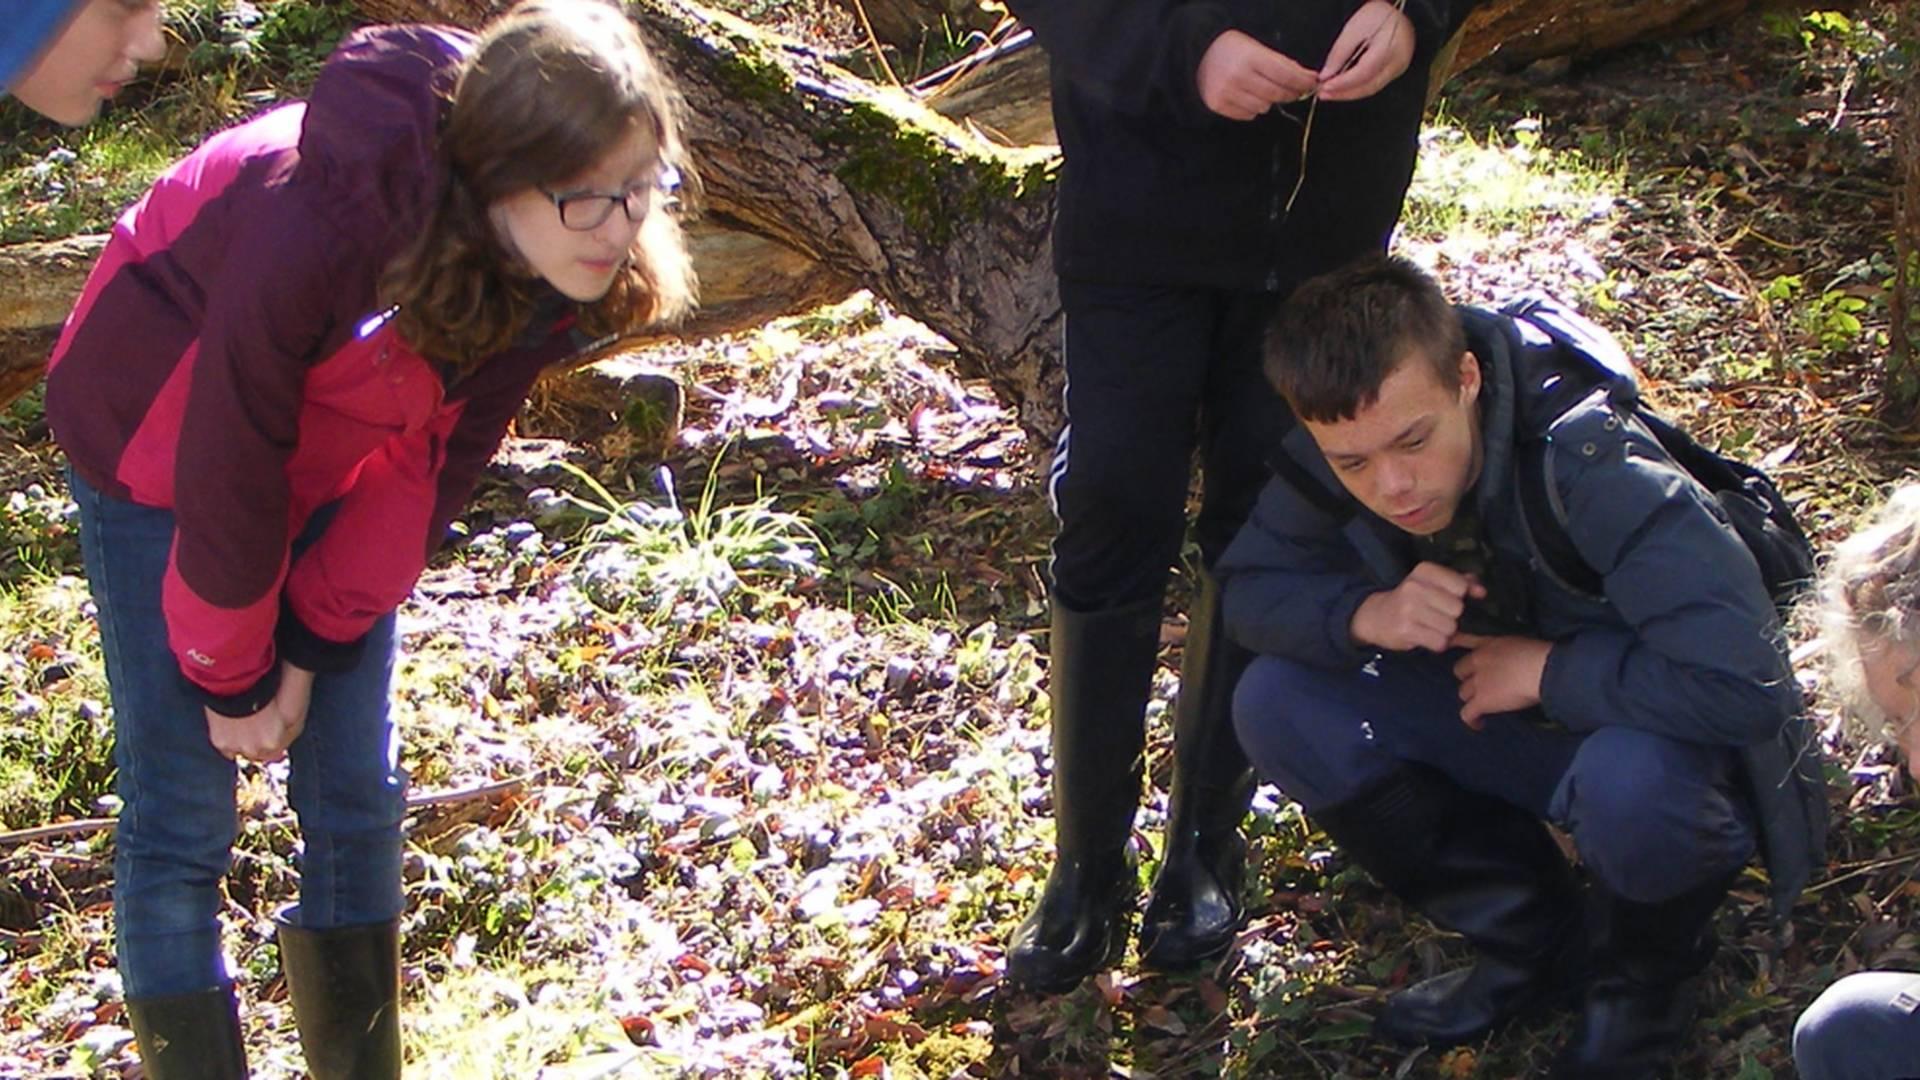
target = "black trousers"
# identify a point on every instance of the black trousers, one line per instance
(1154, 373)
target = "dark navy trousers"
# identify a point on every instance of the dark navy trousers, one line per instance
(1652, 816)
(1154, 375)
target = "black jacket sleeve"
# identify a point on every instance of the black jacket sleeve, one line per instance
(1434, 24)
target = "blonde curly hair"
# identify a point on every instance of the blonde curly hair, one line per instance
(1869, 596)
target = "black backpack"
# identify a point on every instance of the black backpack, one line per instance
(1584, 358)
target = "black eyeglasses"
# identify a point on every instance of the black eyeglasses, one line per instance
(582, 211)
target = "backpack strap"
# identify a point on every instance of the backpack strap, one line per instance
(1572, 356)
(1545, 519)
(1562, 359)
(1566, 327)
(1747, 498)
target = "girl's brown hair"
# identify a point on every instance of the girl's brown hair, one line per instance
(551, 88)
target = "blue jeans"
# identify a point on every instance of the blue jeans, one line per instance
(1653, 816)
(177, 818)
(1865, 1027)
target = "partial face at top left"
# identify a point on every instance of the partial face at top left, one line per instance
(99, 52)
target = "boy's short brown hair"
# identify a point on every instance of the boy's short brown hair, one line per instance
(1338, 337)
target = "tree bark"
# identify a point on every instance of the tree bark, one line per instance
(42, 280)
(23, 359)
(747, 279)
(1007, 98)
(1520, 31)
(943, 224)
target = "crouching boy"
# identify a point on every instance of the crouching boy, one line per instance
(1430, 691)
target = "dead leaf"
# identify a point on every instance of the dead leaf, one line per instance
(1459, 1064)
(891, 1027)
(1160, 1018)
(639, 1030)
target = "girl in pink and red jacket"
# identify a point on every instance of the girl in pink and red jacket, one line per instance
(291, 363)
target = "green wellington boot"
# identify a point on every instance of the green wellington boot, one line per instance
(193, 1036)
(345, 986)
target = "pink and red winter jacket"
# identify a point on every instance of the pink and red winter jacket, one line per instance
(228, 361)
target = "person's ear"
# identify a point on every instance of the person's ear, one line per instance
(497, 221)
(1469, 379)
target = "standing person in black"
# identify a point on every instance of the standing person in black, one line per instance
(1217, 152)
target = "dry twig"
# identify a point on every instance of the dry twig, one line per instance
(1313, 106)
(88, 826)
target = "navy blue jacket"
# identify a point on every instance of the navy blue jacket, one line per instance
(1158, 190)
(1685, 641)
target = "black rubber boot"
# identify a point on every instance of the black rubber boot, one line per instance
(345, 986)
(1480, 867)
(1194, 912)
(1099, 676)
(194, 1036)
(1639, 1006)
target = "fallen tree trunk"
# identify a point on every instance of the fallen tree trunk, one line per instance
(1526, 30)
(842, 184)
(1008, 97)
(43, 280)
(23, 359)
(745, 280)
(943, 224)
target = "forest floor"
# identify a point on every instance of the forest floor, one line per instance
(733, 763)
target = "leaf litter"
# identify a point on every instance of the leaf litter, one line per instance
(737, 760)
